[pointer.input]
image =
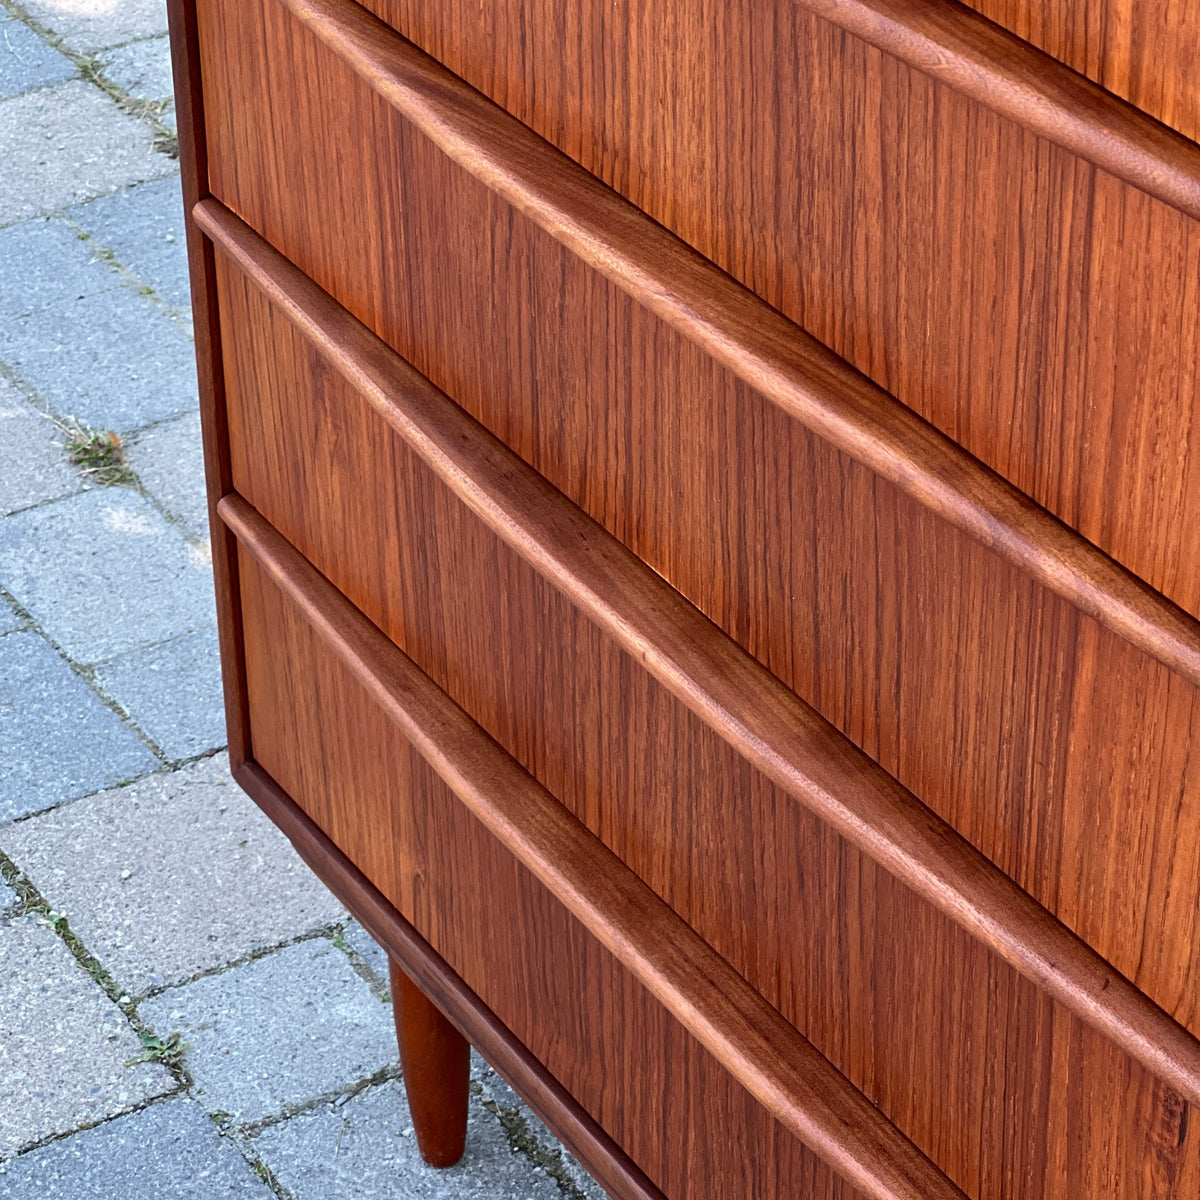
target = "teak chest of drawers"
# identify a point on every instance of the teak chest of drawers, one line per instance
(706, 506)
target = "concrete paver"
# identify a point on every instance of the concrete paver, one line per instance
(143, 226)
(87, 25)
(44, 262)
(360, 1149)
(8, 898)
(172, 692)
(277, 1031)
(63, 1043)
(60, 742)
(35, 466)
(103, 573)
(176, 874)
(168, 1151)
(70, 142)
(26, 62)
(141, 69)
(114, 361)
(170, 464)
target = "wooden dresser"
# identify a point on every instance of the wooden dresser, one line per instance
(706, 508)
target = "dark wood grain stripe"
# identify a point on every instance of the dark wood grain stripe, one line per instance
(700, 665)
(960, 48)
(747, 336)
(574, 1127)
(781, 1069)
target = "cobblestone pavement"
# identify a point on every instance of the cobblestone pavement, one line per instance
(184, 1010)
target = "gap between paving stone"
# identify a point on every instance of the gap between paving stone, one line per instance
(238, 886)
(88, 60)
(29, 902)
(168, 1148)
(79, 1021)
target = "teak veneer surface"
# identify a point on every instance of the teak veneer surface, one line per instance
(1146, 51)
(876, 978)
(794, 1084)
(1007, 725)
(1039, 311)
(649, 1085)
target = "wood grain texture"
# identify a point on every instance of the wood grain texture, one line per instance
(1014, 1095)
(835, 581)
(701, 667)
(1038, 311)
(710, 1001)
(745, 335)
(591, 1146)
(953, 44)
(768, 886)
(193, 165)
(651, 1088)
(1144, 50)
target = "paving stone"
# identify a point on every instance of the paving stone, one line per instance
(26, 61)
(169, 461)
(363, 944)
(44, 262)
(87, 25)
(277, 1031)
(60, 742)
(103, 573)
(69, 142)
(168, 1151)
(144, 227)
(176, 874)
(172, 693)
(8, 618)
(142, 69)
(63, 1043)
(114, 361)
(8, 898)
(35, 467)
(364, 1149)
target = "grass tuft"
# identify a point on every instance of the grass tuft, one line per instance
(98, 455)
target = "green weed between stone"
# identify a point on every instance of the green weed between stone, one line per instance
(98, 455)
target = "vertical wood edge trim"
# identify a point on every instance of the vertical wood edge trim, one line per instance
(747, 336)
(733, 694)
(583, 1137)
(748, 1037)
(193, 164)
(975, 56)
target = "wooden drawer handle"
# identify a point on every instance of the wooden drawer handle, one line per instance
(752, 710)
(746, 335)
(964, 50)
(782, 1070)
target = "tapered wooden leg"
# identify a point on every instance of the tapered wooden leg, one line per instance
(436, 1060)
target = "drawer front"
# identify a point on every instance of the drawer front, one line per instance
(875, 977)
(1039, 311)
(1058, 749)
(632, 1067)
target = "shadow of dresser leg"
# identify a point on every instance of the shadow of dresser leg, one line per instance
(435, 1059)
